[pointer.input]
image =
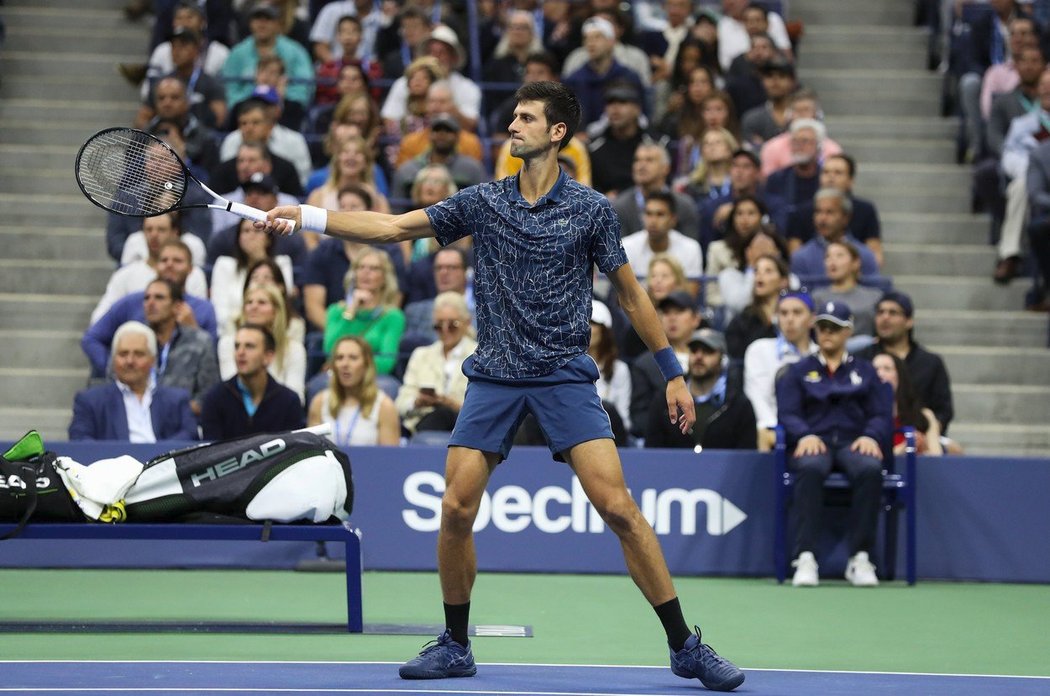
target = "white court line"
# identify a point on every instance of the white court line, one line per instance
(210, 689)
(513, 664)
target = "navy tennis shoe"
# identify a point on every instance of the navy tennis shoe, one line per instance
(440, 659)
(697, 660)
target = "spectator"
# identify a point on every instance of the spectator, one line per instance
(735, 252)
(684, 120)
(1025, 134)
(743, 181)
(133, 277)
(239, 70)
(724, 417)
(444, 135)
(1038, 227)
(680, 318)
(744, 77)
(271, 86)
(756, 320)
(614, 377)
(734, 31)
(434, 386)
(664, 276)
(432, 185)
(592, 80)
(450, 271)
(187, 355)
(659, 235)
(251, 401)
(254, 166)
(351, 165)
(907, 409)
(444, 45)
(798, 183)
(710, 179)
(229, 273)
(404, 40)
(765, 122)
(615, 138)
(171, 103)
(838, 415)
(370, 309)
(894, 326)
(256, 122)
(173, 264)
(440, 101)
(663, 46)
(360, 413)
(326, 32)
(838, 172)
(649, 173)
(337, 80)
(266, 306)
(261, 193)
(832, 209)
(766, 359)
(420, 75)
(717, 111)
(842, 268)
(519, 40)
(776, 152)
(188, 17)
(625, 53)
(133, 408)
(206, 97)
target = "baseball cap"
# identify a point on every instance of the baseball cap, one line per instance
(778, 65)
(263, 9)
(446, 35)
(444, 121)
(800, 295)
(900, 298)
(622, 92)
(600, 314)
(837, 313)
(679, 298)
(260, 182)
(266, 93)
(714, 340)
(185, 34)
(600, 25)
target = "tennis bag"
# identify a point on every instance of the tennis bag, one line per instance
(283, 477)
(31, 488)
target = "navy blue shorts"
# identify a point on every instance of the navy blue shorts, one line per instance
(565, 404)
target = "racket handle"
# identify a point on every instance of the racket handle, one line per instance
(249, 213)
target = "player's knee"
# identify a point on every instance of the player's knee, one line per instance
(621, 514)
(457, 514)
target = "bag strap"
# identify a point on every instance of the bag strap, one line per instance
(30, 469)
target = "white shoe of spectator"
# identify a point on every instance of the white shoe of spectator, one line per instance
(805, 570)
(860, 571)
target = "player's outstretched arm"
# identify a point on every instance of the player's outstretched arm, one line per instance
(639, 308)
(364, 226)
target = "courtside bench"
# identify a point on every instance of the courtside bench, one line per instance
(344, 534)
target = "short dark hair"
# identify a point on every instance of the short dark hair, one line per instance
(359, 191)
(174, 289)
(268, 340)
(349, 18)
(544, 58)
(666, 197)
(457, 251)
(851, 164)
(560, 105)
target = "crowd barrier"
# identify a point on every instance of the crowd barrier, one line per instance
(978, 518)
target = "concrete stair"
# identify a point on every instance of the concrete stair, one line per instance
(59, 86)
(866, 62)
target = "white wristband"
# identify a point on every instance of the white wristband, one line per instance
(314, 218)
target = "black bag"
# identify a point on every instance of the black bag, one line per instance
(30, 488)
(218, 482)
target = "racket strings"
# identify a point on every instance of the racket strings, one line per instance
(131, 173)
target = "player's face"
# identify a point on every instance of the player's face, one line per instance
(530, 134)
(659, 220)
(890, 322)
(349, 364)
(249, 352)
(886, 369)
(793, 319)
(132, 360)
(258, 308)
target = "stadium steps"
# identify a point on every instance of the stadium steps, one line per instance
(865, 59)
(60, 85)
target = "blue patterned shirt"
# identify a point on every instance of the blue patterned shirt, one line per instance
(533, 269)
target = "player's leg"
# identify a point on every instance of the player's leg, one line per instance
(466, 475)
(597, 465)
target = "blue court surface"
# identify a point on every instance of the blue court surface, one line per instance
(72, 677)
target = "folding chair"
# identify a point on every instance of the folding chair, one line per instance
(898, 492)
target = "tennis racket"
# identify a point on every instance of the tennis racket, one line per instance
(130, 172)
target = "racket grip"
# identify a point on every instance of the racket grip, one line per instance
(249, 213)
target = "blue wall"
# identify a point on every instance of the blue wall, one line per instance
(978, 518)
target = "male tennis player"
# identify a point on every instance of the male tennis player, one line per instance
(536, 237)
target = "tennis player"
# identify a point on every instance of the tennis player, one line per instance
(536, 237)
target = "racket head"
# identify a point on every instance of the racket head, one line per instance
(130, 172)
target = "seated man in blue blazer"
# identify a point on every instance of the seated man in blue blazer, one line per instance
(133, 408)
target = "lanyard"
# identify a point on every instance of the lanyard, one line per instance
(344, 439)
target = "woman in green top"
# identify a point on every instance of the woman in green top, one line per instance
(371, 309)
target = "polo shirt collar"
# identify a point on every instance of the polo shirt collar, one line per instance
(552, 196)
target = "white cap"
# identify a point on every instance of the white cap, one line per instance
(600, 25)
(600, 314)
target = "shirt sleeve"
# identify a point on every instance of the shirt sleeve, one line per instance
(449, 217)
(606, 246)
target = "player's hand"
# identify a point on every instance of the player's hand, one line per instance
(274, 220)
(866, 446)
(680, 408)
(809, 446)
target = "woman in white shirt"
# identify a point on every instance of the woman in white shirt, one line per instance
(229, 273)
(360, 413)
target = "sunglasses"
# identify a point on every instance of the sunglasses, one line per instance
(446, 325)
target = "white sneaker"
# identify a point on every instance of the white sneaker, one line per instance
(860, 571)
(805, 570)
